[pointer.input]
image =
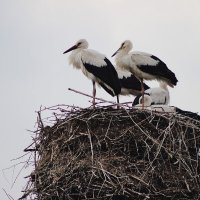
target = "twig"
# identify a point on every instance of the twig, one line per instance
(100, 99)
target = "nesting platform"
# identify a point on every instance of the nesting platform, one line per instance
(110, 154)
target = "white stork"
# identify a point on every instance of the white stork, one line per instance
(143, 65)
(154, 96)
(96, 67)
(130, 85)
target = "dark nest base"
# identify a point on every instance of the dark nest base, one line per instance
(115, 154)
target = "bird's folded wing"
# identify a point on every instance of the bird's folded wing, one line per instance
(152, 65)
(106, 73)
(142, 59)
(93, 58)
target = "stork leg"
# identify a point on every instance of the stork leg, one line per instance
(94, 93)
(142, 91)
(117, 101)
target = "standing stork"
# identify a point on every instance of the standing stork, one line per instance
(96, 67)
(143, 65)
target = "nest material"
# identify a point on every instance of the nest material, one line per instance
(116, 154)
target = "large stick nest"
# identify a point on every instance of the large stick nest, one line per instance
(106, 153)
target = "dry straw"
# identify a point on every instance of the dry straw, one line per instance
(107, 153)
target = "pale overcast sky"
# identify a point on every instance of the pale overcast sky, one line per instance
(34, 72)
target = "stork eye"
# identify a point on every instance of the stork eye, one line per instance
(122, 45)
(79, 44)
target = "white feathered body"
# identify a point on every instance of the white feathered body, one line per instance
(89, 56)
(79, 57)
(132, 60)
(159, 95)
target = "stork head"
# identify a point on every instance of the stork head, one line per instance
(80, 44)
(125, 47)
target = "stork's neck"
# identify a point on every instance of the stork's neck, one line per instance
(121, 60)
(163, 85)
(75, 58)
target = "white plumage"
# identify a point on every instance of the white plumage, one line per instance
(159, 95)
(94, 66)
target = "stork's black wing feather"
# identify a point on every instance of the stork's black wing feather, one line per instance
(106, 89)
(132, 82)
(107, 74)
(159, 70)
(136, 100)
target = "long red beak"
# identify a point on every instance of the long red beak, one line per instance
(70, 49)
